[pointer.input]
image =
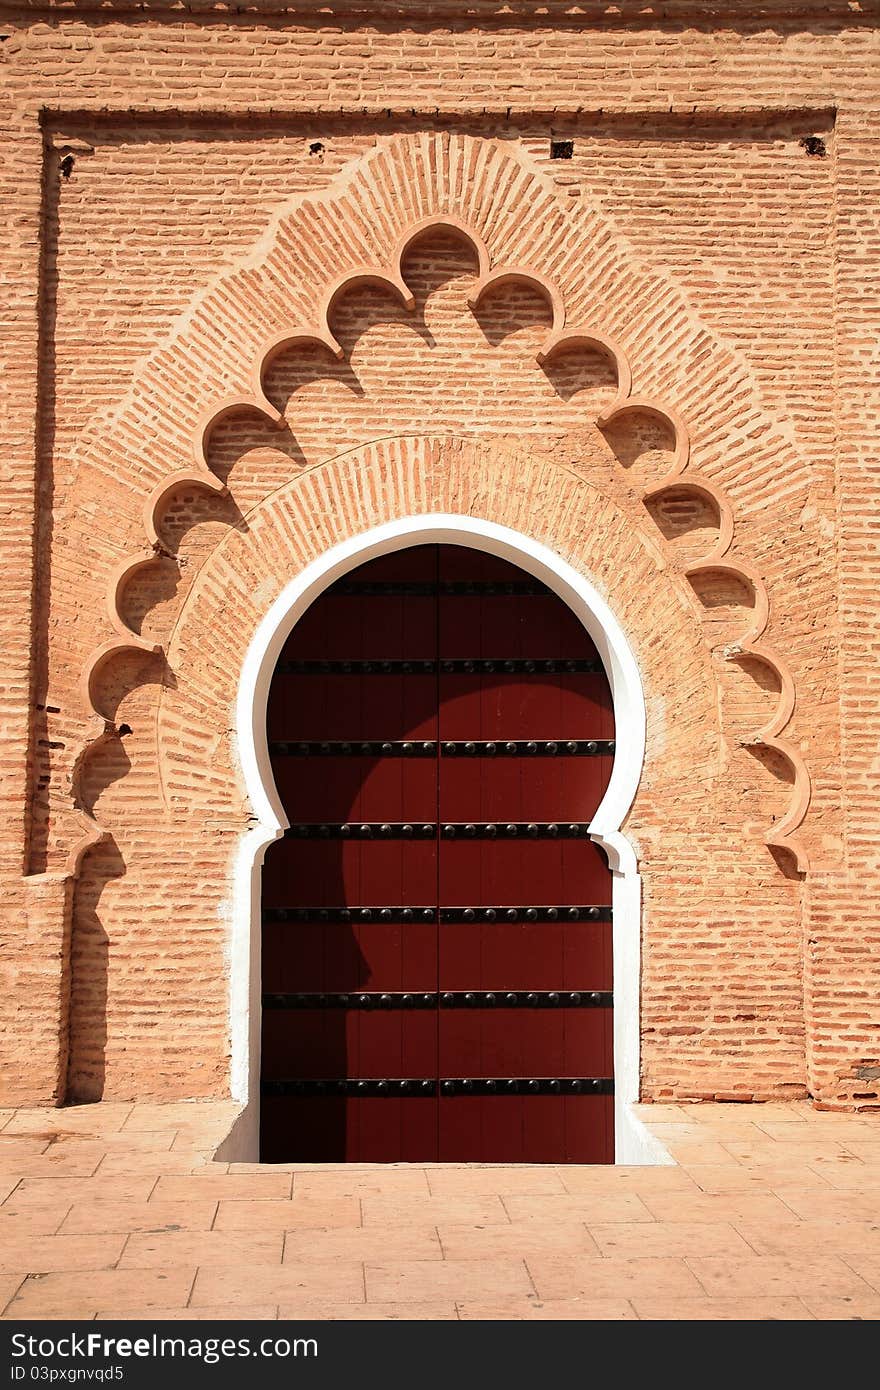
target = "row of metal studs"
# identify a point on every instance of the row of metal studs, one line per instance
(448, 1086)
(474, 830)
(389, 830)
(467, 666)
(463, 588)
(427, 914)
(396, 748)
(449, 999)
(526, 914)
(515, 748)
(535, 830)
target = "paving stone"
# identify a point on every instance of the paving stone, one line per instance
(424, 1281)
(120, 1289)
(72, 1160)
(360, 1243)
(310, 1281)
(736, 1177)
(426, 1212)
(501, 1180)
(292, 1214)
(438, 1311)
(854, 1308)
(653, 1115)
(103, 1118)
(517, 1240)
(233, 1312)
(216, 1115)
(849, 1173)
(42, 1254)
(361, 1182)
(171, 1163)
(688, 1133)
(149, 1145)
(553, 1310)
(612, 1205)
(577, 1180)
(166, 1249)
(865, 1264)
(722, 1310)
(830, 1204)
(701, 1151)
(773, 1152)
(52, 1316)
(223, 1187)
(867, 1148)
(777, 1275)
(758, 1112)
(18, 1147)
(42, 1191)
(634, 1240)
(752, 1206)
(34, 1219)
(242, 1169)
(561, 1277)
(813, 1237)
(97, 1215)
(841, 1128)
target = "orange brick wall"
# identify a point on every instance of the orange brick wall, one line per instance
(224, 171)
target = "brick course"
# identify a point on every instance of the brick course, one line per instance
(224, 170)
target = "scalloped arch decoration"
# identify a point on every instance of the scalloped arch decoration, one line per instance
(452, 226)
(522, 275)
(562, 336)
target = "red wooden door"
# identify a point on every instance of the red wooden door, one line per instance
(436, 922)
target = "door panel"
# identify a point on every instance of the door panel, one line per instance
(440, 729)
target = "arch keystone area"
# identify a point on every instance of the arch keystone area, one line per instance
(449, 224)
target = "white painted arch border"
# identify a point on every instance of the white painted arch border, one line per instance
(634, 1143)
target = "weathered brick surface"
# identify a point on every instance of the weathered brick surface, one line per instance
(225, 169)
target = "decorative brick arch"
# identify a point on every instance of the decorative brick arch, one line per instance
(400, 491)
(561, 338)
(285, 299)
(386, 202)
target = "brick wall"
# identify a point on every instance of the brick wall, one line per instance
(178, 188)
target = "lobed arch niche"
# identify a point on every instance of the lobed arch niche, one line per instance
(633, 1142)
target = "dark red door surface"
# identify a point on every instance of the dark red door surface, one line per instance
(436, 922)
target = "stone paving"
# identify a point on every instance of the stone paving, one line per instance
(119, 1211)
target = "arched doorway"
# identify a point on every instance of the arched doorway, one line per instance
(436, 920)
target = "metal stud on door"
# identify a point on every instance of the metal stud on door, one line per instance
(436, 938)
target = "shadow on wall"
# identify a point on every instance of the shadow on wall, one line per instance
(89, 968)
